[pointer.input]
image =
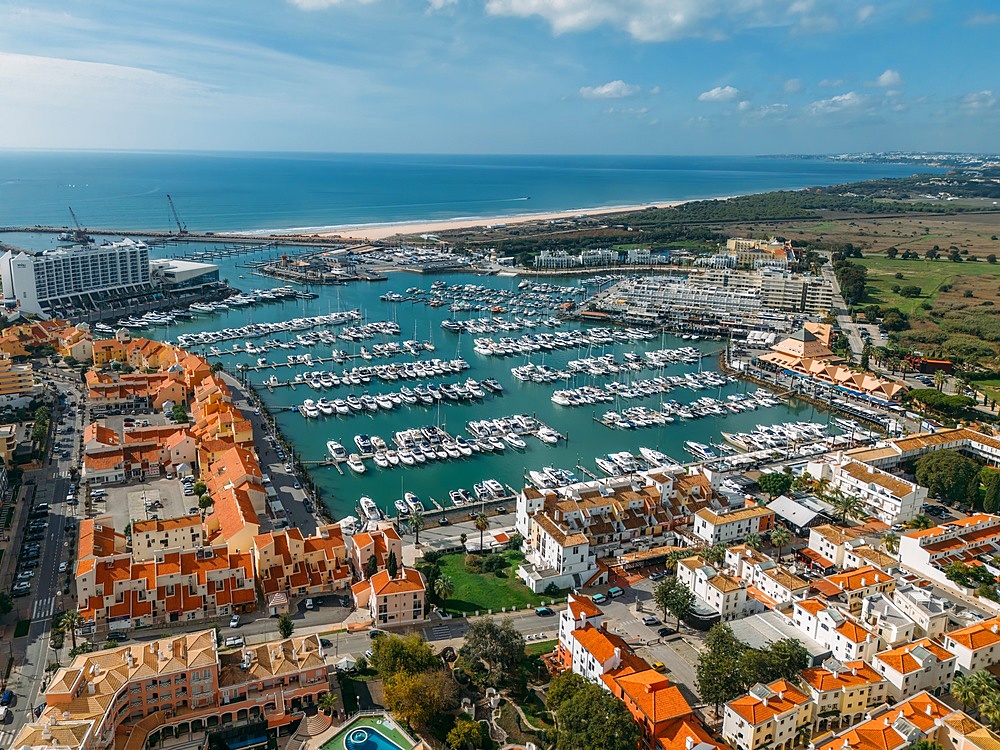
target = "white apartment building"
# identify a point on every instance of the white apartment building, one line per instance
(928, 610)
(853, 586)
(38, 282)
(843, 692)
(928, 552)
(841, 634)
(768, 716)
(921, 665)
(887, 621)
(556, 556)
(724, 593)
(728, 526)
(975, 647)
(885, 496)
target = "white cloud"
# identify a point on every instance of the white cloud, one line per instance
(979, 101)
(719, 94)
(865, 12)
(610, 90)
(792, 86)
(831, 83)
(983, 19)
(664, 20)
(766, 111)
(839, 103)
(743, 106)
(889, 78)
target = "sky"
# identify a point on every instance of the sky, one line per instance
(501, 76)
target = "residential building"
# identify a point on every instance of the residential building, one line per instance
(295, 565)
(928, 552)
(580, 612)
(976, 646)
(853, 586)
(115, 592)
(46, 282)
(380, 544)
(843, 692)
(928, 610)
(117, 698)
(885, 496)
(771, 716)
(15, 380)
(885, 619)
(150, 537)
(829, 543)
(393, 601)
(917, 666)
(729, 526)
(841, 634)
(719, 591)
(919, 717)
(8, 443)
(888, 454)
(777, 289)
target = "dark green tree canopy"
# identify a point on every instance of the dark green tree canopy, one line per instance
(949, 475)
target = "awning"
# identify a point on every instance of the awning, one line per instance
(815, 558)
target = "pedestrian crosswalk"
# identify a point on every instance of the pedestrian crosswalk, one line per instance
(43, 608)
(445, 631)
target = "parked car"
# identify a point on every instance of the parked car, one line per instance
(650, 620)
(543, 612)
(599, 599)
(234, 621)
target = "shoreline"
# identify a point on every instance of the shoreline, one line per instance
(380, 231)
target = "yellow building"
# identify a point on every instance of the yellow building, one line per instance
(15, 380)
(392, 601)
(8, 442)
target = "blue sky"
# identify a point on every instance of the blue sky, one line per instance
(501, 76)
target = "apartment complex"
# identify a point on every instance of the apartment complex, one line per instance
(970, 540)
(976, 646)
(732, 525)
(843, 692)
(393, 600)
(776, 289)
(16, 380)
(885, 496)
(118, 697)
(768, 716)
(923, 665)
(61, 278)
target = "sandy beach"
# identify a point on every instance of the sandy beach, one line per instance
(383, 231)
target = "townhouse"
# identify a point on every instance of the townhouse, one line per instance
(130, 696)
(975, 647)
(919, 717)
(398, 600)
(154, 535)
(852, 587)
(842, 635)
(117, 592)
(380, 544)
(927, 610)
(773, 716)
(732, 525)
(887, 621)
(928, 552)
(721, 592)
(843, 693)
(580, 612)
(884, 496)
(288, 563)
(921, 665)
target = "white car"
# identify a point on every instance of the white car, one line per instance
(234, 621)
(63, 566)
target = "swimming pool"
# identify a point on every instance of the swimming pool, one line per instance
(370, 733)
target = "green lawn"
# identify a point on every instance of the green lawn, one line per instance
(484, 591)
(929, 275)
(537, 648)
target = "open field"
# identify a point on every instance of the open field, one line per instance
(484, 591)
(981, 278)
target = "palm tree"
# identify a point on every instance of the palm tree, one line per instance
(964, 688)
(713, 555)
(69, 622)
(891, 543)
(672, 557)
(482, 523)
(989, 708)
(416, 523)
(753, 541)
(780, 536)
(920, 522)
(846, 505)
(326, 703)
(940, 379)
(444, 587)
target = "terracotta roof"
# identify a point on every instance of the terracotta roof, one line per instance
(742, 514)
(756, 710)
(977, 636)
(581, 606)
(870, 475)
(407, 579)
(166, 524)
(904, 659)
(859, 578)
(850, 674)
(599, 643)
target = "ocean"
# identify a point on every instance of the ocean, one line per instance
(235, 192)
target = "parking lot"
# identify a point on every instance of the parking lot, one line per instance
(159, 498)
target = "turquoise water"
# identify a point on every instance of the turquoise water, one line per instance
(233, 192)
(587, 438)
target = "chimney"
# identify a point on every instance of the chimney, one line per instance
(864, 581)
(781, 695)
(689, 742)
(91, 688)
(927, 710)
(854, 671)
(994, 628)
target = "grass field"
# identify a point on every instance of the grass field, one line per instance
(929, 275)
(537, 648)
(484, 591)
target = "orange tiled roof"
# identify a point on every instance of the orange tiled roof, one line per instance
(854, 580)
(599, 643)
(977, 636)
(408, 579)
(854, 673)
(581, 606)
(903, 661)
(756, 711)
